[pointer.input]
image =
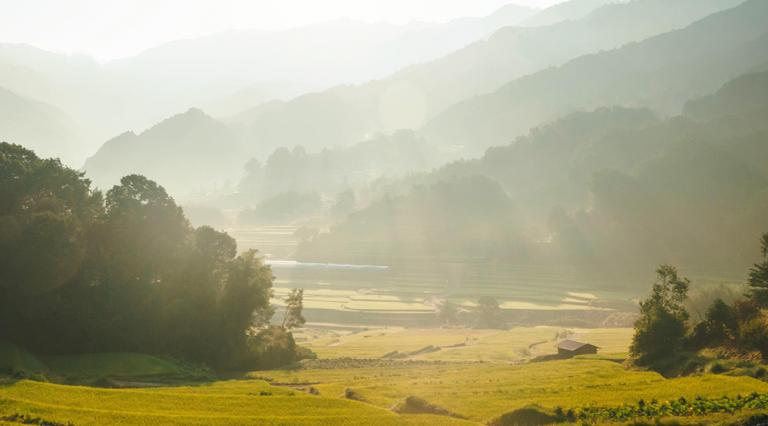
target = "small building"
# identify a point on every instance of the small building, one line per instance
(571, 348)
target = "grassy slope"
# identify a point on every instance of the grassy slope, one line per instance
(233, 402)
(112, 365)
(484, 391)
(480, 391)
(14, 358)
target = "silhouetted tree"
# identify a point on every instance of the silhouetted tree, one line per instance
(488, 313)
(84, 273)
(294, 304)
(448, 313)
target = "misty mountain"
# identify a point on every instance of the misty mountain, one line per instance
(690, 189)
(660, 73)
(335, 169)
(467, 217)
(349, 52)
(189, 152)
(36, 125)
(566, 11)
(407, 99)
(227, 72)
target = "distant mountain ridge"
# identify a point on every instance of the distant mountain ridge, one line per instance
(410, 97)
(691, 189)
(661, 73)
(189, 152)
(34, 124)
(226, 72)
(566, 11)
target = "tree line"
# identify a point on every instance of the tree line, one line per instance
(665, 340)
(124, 271)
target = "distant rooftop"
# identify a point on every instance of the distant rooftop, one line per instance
(572, 345)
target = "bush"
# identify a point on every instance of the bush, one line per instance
(354, 395)
(717, 368)
(759, 373)
(752, 335)
(274, 347)
(416, 405)
(529, 416)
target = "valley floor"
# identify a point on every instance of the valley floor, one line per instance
(352, 384)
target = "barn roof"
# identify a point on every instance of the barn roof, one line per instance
(572, 345)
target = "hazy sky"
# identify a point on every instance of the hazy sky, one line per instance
(110, 29)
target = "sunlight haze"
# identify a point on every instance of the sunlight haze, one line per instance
(113, 29)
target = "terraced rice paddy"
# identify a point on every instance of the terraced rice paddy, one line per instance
(230, 402)
(462, 344)
(484, 391)
(479, 391)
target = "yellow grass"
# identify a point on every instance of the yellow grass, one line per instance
(476, 345)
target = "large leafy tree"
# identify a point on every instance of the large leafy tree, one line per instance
(45, 210)
(80, 272)
(488, 313)
(448, 313)
(661, 329)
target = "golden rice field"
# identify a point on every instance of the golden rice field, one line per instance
(478, 391)
(482, 391)
(221, 403)
(459, 344)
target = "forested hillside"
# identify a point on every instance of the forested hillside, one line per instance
(690, 189)
(35, 124)
(190, 152)
(407, 99)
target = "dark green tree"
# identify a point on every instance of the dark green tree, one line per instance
(758, 276)
(661, 329)
(84, 273)
(448, 313)
(488, 313)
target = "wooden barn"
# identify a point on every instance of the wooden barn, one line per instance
(570, 348)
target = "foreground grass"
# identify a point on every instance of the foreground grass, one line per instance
(113, 365)
(484, 391)
(231, 402)
(478, 391)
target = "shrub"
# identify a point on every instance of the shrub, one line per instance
(416, 405)
(274, 347)
(759, 373)
(527, 416)
(717, 368)
(352, 394)
(752, 335)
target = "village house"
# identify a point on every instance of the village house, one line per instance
(571, 348)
